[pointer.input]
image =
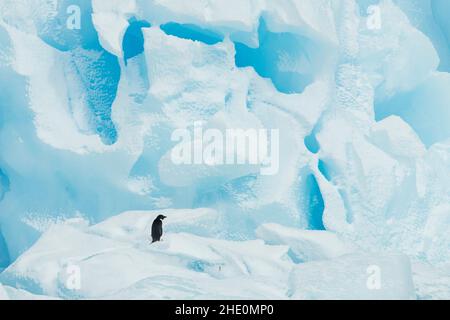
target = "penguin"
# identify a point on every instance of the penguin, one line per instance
(157, 228)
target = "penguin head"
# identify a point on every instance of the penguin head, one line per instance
(161, 217)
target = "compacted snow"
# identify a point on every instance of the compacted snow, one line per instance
(114, 259)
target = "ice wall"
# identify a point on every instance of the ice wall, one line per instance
(86, 116)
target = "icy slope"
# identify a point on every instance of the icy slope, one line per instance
(116, 260)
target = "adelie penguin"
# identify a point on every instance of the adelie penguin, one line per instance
(157, 228)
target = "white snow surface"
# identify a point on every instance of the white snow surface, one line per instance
(115, 260)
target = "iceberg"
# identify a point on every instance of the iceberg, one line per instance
(357, 92)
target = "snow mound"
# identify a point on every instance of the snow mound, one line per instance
(354, 277)
(431, 283)
(3, 293)
(10, 293)
(305, 245)
(127, 265)
(135, 226)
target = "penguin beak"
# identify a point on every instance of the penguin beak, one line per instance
(163, 217)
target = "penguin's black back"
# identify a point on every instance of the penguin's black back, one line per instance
(157, 230)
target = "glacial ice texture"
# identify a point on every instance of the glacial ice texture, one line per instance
(91, 92)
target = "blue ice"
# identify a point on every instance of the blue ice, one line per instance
(99, 75)
(192, 32)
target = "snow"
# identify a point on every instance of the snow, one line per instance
(116, 260)
(113, 264)
(348, 277)
(203, 75)
(397, 138)
(10, 293)
(306, 245)
(3, 294)
(136, 225)
(431, 282)
(110, 38)
(86, 120)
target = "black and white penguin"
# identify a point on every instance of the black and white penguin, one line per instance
(157, 228)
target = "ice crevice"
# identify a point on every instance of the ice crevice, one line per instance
(192, 32)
